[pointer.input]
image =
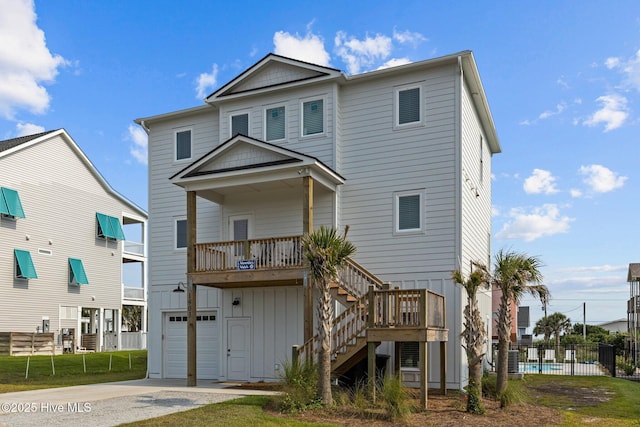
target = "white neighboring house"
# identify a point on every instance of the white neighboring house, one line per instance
(62, 247)
(616, 326)
(401, 155)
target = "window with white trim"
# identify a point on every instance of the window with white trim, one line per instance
(181, 234)
(409, 211)
(313, 117)
(274, 124)
(183, 144)
(408, 106)
(240, 124)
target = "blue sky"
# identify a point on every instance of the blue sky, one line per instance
(562, 79)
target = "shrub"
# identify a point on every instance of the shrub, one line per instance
(300, 386)
(393, 397)
(514, 393)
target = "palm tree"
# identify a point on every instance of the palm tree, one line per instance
(474, 336)
(514, 274)
(326, 252)
(555, 324)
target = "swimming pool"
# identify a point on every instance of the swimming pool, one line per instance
(547, 368)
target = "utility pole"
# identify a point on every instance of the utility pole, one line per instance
(584, 323)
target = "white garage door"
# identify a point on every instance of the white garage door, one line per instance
(175, 345)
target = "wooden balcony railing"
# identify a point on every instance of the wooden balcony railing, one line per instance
(274, 252)
(409, 309)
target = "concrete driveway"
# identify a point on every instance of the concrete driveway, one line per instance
(110, 404)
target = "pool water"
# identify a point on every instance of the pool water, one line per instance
(546, 367)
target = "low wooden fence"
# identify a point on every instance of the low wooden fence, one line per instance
(26, 343)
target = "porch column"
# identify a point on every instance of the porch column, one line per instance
(191, 290)
(307, 227)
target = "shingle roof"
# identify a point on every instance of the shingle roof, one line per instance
(10, 143)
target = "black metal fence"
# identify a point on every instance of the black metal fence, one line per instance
(573, 359)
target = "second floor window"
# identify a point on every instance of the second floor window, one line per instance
(183, 145)
(181, 234)
(274, 124)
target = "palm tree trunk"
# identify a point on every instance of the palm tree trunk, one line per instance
(325, 315)
(504, 332)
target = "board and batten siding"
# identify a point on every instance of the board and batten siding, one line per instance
(276, 319)
(379, 160)
(60, 197)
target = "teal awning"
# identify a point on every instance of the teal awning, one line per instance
(109, 227)
(10, 203)
(76, 272)
(24, 265)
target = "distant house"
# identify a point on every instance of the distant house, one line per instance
(401, 155)
(63, 249)
(615, 326)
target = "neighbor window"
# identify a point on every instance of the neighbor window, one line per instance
(313, 117)
(240, 124)
(408, 106)
(274, 124)
(183, 145)
(10, 204)
(109, 227)
(409, 216)
(181, 233)
(24, 268)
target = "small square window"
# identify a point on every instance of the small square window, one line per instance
(181, 233)
(409, 211)
(408, 106)
(240, 124)
(275, 124)
(183, 145)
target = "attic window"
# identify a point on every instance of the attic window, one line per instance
(240, 124)
(275, 124)
(10, 204)
(313, 117)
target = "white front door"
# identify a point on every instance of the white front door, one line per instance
(238, 349)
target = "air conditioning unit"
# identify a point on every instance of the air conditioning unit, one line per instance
(512, 364)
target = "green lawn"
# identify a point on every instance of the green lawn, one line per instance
(584, 397)
(70, 369)
(243, 412)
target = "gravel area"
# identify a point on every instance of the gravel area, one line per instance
(107, 412)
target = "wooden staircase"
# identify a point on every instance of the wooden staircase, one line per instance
(374, 313)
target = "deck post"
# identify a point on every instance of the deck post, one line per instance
(191, 291)
(371, 348)
(423, 354)
(307, 227)
(422, 345)
(443, 368)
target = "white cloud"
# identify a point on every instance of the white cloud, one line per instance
(601, 179)
(596, 268)
(24, 129)
(358, 54)
(549, 113)
(575, 193)
(408, 37)
(613, 113)
(629, 68)
(394, 63)
(206, 82)
(541, 181)
(140, 143)
(308, 48)
(539, 222)
(25, 61)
